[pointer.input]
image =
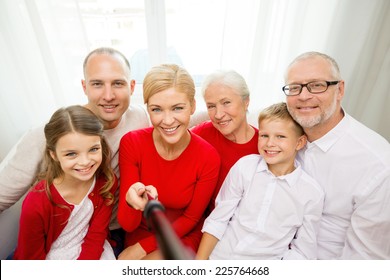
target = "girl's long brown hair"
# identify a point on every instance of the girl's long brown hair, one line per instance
(76, 119)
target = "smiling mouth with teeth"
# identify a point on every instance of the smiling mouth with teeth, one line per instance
(223, 123)
(271, 152)
(85, 170)
(307, 107)
(170, 129)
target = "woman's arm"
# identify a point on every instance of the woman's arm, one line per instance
(200, 171)
(128, 217)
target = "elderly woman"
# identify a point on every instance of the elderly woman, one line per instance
(167, 159)
(227, 99)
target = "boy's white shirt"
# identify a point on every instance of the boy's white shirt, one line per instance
(258, 214)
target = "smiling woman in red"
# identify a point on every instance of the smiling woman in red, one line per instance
(167, 158)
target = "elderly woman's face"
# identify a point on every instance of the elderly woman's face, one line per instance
(226, 108)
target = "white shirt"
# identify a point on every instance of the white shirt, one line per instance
(352, 165)
(257, 215)
(68, 244)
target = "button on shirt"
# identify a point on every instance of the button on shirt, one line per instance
(258, 215)
(352, 165)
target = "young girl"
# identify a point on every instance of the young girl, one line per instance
(66, 214)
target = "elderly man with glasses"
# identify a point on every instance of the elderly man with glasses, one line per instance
(350, 161)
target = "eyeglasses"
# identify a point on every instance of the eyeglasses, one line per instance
(312, 87)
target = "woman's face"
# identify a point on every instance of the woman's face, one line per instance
(170, 112)
(226, 108)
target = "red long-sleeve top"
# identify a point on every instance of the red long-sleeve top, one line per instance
(229, 151)
(185, 185)
(41, 223)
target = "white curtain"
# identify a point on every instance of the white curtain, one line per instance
(38, 74)
(43, 44)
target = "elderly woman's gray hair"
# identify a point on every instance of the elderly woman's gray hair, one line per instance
(228, 78)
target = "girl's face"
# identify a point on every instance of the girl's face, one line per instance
(278, 144)
(170, 113)
(79, 155)
(226, 109)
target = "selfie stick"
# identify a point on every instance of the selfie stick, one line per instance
(169, 244)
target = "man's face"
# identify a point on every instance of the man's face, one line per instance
(308, 109)
(108, 88)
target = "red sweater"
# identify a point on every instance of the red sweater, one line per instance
(185, 185)
(229, 151)
(41, 223)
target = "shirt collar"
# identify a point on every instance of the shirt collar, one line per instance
(330, 138)
(291, 178)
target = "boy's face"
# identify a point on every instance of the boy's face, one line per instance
(278, 144)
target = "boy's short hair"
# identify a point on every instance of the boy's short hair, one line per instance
(278, 111)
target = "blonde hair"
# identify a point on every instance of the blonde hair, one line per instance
(279, 111)
(166, 76)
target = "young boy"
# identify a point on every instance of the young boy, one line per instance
(268, 207)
